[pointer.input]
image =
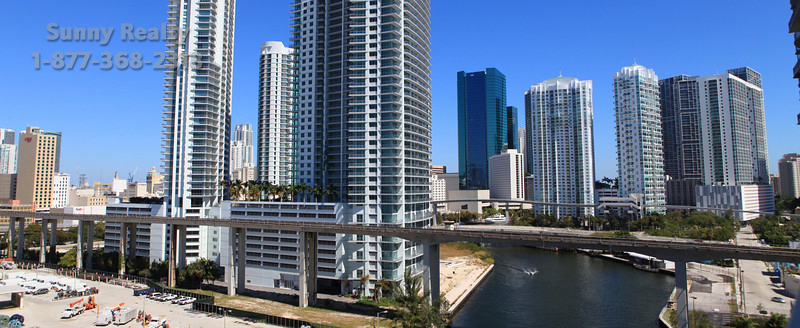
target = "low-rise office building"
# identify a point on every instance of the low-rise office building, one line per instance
(751, 198)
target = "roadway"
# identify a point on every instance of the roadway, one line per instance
(760, 283)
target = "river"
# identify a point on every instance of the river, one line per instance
(567, 290)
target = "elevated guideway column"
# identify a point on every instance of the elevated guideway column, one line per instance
(53, 239)
(89, 243)
(21, 238)
(681, 294)
(43, 242)
(231, 260)
(308, 268)
(435, 215)
(241, 260)
(181, 246)
(123, 246)
(430, 276)
(173, 254)
(11, 224)
(79, 253)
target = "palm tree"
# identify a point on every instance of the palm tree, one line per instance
(254, 193)
(414, 309)
(776, 321)
(303, 189)
(380, 285)
(317, 193)
(329, 190)
(363, 287)
(236, 189)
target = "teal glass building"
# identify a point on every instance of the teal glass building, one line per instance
(482, 125)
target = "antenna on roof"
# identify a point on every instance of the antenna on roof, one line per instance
(559, 74)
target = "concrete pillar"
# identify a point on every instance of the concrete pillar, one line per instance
(43, 242)
(241, 261)
(431, 275)
(79, 255)
(123, 246)
(681, 295)
(53, 238)
(173, 254)
(229, 268)
(308, 268)
(12, 222)
(435, 215)
(181, 247)
(89, 244)
(508, 217)
(20, 238)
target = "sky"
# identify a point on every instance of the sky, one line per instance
(111, 119)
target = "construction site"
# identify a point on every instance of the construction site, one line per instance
(46, 299)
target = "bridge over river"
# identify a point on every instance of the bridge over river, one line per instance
(678, 250)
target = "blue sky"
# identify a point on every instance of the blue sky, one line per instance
(111, 120)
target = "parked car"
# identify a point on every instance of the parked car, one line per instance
(778, 299)
(188, 300)
(178, 300)
(40, 291)
(154, 295)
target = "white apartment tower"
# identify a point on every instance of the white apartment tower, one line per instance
(560, 144)
(507, 175)
(733, 129)
(640, 155)
(276, 113)
(242, 147)
(364, 119)
(60, 190)
(8, 152)
(197, 111)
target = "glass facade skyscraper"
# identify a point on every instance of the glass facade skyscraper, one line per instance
(482, 125)
(733, 128)
(683, 153)
(512, 123)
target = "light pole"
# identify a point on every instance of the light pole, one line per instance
(378, 317)
(225, 317)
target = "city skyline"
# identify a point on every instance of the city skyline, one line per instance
(131, 133)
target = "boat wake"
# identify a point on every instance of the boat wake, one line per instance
(526, 271)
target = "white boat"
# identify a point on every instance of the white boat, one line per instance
(496, 219)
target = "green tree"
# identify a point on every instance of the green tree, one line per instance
(740, 322)
(776, 321)
(69, 259)
(100, 231)
(414, 309)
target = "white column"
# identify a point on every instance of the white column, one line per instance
(308, 268)
(79, 254)
(231, 263)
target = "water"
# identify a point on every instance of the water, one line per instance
(538, 288)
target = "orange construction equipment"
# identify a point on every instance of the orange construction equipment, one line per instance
(72, 305)
(90, 304)
(118, 306)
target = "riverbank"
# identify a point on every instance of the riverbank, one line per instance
(462, 269)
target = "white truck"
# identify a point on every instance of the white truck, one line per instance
(124, 316)
(71, 312)
(105, 317)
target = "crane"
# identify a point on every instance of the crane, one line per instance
(131, 175)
